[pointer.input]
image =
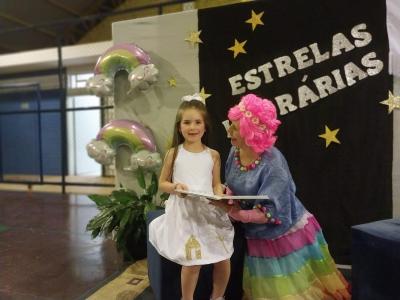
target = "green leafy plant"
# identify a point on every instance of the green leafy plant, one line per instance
(122, 216)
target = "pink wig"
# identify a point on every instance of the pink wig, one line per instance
(257, 121)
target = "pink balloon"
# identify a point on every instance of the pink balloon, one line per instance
(125, 56)
(129, 133)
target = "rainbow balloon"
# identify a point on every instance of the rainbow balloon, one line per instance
(125, 56)
(128, 133)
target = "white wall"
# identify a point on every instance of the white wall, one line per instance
(48, 58)
(163, 37)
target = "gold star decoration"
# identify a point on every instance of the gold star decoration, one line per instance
(172, 82)
(329, 136)
(203, 94)
(392, 102)
(255, 19)
(194, 38)
(238, 48)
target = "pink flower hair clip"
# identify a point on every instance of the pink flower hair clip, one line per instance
(248, 114)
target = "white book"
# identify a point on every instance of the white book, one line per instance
(222, 197)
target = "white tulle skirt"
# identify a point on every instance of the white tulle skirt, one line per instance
(192, 232)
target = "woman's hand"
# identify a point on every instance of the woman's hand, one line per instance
(225, 204)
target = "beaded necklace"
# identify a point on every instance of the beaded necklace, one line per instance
(248, 167)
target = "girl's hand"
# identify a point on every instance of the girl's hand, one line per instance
(180, 186)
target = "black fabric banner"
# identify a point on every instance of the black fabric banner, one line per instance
(324, 65)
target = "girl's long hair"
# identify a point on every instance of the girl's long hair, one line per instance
(178, 138)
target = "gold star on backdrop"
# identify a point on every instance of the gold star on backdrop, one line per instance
(392, 102)
(238, 48)
(329, 136)
(194, 38)
(203, 94)
(255, 19)
(172, 82)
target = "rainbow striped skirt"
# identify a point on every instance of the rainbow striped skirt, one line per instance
(295, 266)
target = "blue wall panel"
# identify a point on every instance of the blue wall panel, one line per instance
(19, 133)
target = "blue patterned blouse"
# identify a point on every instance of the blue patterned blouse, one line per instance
(271, 177)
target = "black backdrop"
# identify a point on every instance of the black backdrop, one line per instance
(342, 184)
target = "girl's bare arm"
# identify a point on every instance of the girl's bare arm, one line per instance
(165, 181)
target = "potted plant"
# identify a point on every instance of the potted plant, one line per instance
(122, 216)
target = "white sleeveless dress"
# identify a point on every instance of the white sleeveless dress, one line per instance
(192, 231)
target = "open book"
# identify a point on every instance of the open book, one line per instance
(221, 197)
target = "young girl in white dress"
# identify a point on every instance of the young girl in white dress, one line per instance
(192, 232)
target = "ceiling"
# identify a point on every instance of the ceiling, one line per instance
(36, 24)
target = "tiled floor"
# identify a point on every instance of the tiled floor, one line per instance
(45, 252)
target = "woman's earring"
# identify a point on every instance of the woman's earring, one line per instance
(227, 124)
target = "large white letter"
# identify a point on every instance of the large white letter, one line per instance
(267, 74)
(324, 86)
(253, 80)
(352, 71)
(317, 54)
(303, 61)
(285, 104)
(339, 42)
(338, 79)
(306, 94)
(236, 87)
(283, 65)
(375, 65)
(362, 38)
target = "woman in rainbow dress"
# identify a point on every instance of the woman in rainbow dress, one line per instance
(287, 256)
